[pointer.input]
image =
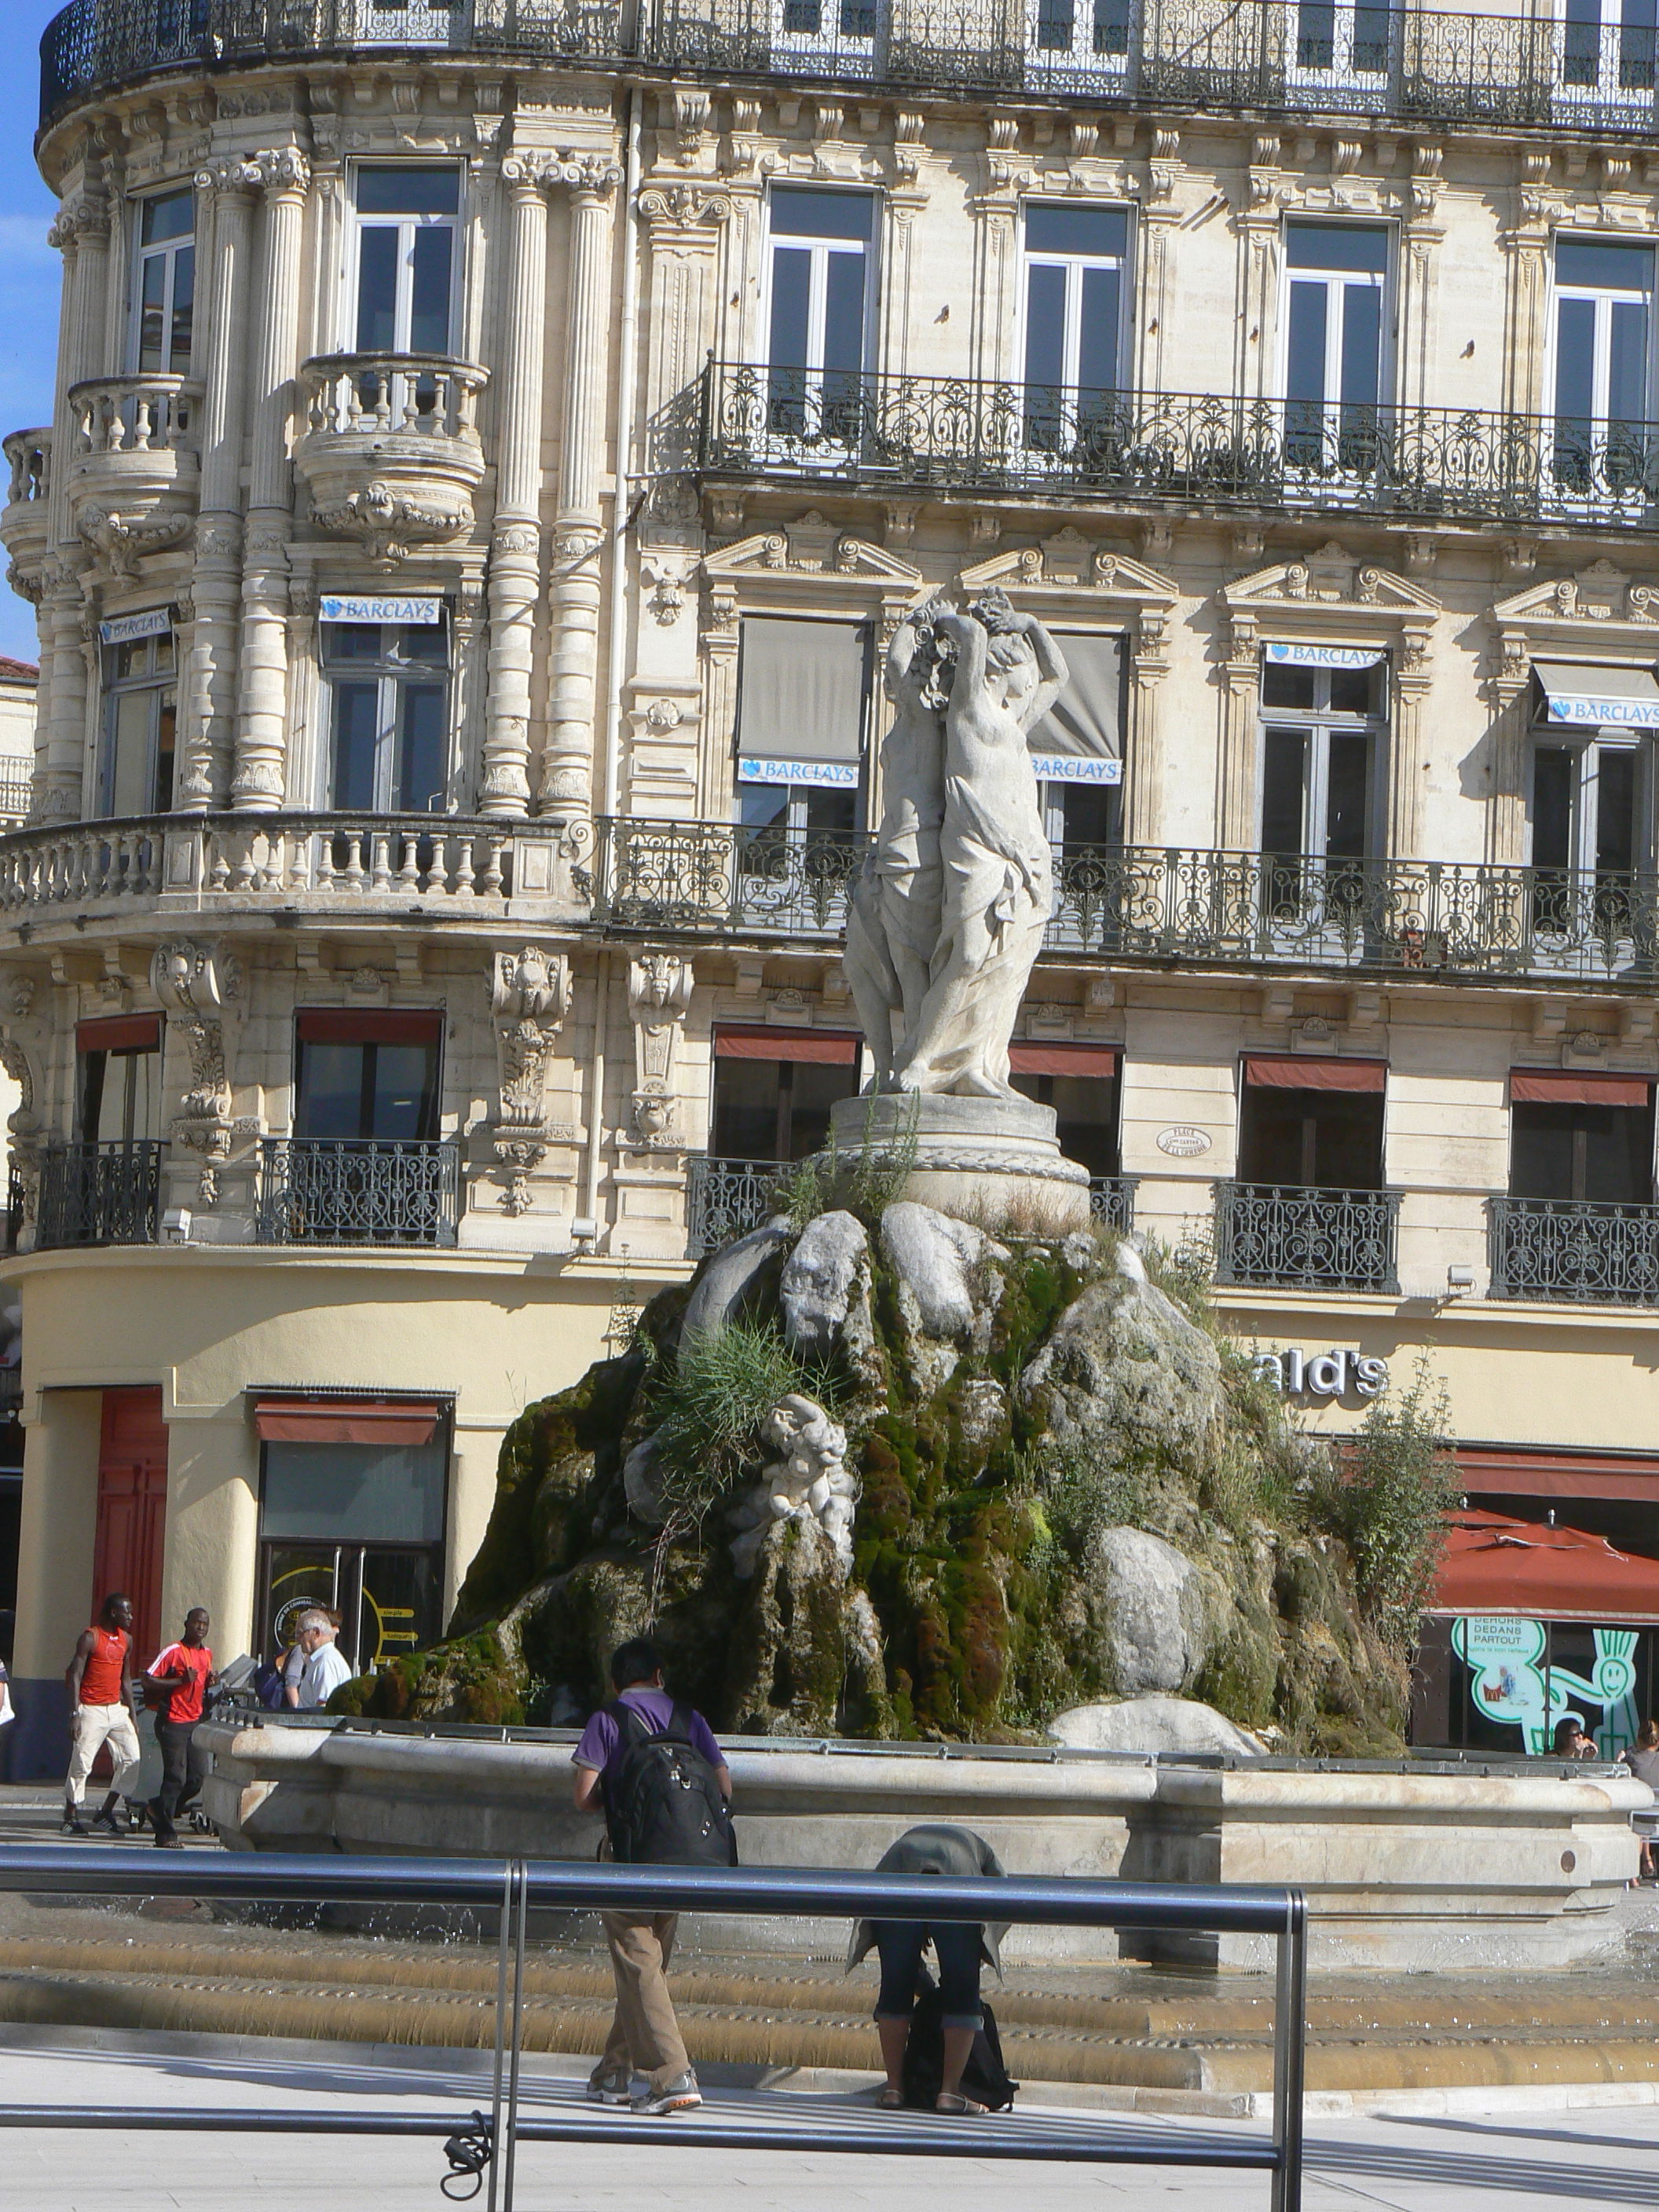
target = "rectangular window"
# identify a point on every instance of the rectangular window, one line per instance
(1076, 300)
(1076, 41)
(1311, 1139)
(821, 260)
(367, 1075)
(1582, 1151)
(389, 689)
(803, 705)
(1592, 778)
(140, 719)
(1345, 39)
(407, 218)
(1335, 318)
(1608, 46)
(773, 1090)
(1603, 338)
(118, 1079)
(1081, 1084)
(1322, 733)
(164, 284)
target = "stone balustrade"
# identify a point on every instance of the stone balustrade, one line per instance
(28, 460)
(385, 392)
(390, 454)
(135, 414)
(327, 861)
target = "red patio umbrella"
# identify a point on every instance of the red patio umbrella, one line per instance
(1495, 1564)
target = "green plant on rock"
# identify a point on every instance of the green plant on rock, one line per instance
(1387, 1498)
(708, 1407)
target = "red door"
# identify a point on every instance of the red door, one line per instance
(133, 1504)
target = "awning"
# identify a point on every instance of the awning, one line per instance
(838, 1047)
(119, 1033)
(1062, 1060)
(1551, 1086)
(802, 687)
(1325, 656)
(1515, 1471)
(1280, 1073)
(346, 1420)
(1595, 698)
(1495, 1564)
(1078, 740)
(340, 1026)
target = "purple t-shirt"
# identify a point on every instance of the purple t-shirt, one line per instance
(601, 1742)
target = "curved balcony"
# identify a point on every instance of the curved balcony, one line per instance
(135, 472)
(325, 864)
(390, 454)
(23, 519)
(1199, 451)
(1419, 66)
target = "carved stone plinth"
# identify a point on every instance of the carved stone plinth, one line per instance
(995, 1162)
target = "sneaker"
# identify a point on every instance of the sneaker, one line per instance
(682, 2095)
(108, 1825)
(75, 1827)
(614, 2088)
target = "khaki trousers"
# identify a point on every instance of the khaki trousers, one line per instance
(88, 1730)
(645, 2036)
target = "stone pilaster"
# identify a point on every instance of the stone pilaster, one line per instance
(516, 543)
(565, 784)
(207, 702)
(259, 778)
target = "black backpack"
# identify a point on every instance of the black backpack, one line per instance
(664, 1806)
(984, 2078)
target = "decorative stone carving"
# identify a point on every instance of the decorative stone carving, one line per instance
(389, 523)
(195, 984)
(807, 1481)
(123, 540)
(659, 986)
(949, 910)
(529, 998)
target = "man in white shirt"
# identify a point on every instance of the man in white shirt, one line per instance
(324, 1668)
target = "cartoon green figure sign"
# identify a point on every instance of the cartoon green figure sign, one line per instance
(1513, 1686)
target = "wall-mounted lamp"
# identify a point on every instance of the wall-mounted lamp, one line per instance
(585, 1232)
(1459, 1281)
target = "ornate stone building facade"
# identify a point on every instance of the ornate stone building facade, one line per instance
(495, 445)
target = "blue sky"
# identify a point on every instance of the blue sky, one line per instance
(29, 268)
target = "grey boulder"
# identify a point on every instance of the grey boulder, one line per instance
(933, 1259)
(1147, 1610)
(818, 1279)
(1124, 1369)
(728, 1279)
(1153, 1724)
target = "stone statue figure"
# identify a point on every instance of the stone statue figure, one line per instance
(947, 921)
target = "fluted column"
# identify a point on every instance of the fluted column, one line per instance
(515, 551)
(81, 230)
(207, 700)
(259, 777)
(565, 784)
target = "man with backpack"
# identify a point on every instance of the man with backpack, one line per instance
(664, 1783)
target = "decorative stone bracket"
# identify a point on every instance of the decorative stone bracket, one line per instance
(529, 998)
(198, 986)
(659, 986)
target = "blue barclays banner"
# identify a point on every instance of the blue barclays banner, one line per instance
(1587, 710)
(1326, 656)
(1073, 767)
(837, 775)
(422, 613)
(126, 630)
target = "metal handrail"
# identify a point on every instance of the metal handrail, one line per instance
(514, 1886)
(1222, 450)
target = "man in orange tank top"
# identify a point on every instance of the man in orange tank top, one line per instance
(100, 1677)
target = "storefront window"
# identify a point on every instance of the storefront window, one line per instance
(1512, 1679)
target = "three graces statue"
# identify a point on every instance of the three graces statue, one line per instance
(949, 910)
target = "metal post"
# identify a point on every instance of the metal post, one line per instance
(1290, 2052)
(505, 1937)
(520, 1887)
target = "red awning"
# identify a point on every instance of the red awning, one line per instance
(119, 1033)
(1062, 1060)
(1510, 1471)
(1494, 1564)
(840, 1047)
(342, 1025)
(1553, 1086)
(1278, 1074)
(346, 1420)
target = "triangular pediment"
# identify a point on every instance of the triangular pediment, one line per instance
(1333, 577)
(1069, 563)
(813, 547)
(1595, 596)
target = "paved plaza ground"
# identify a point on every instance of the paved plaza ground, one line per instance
(1509, 2160)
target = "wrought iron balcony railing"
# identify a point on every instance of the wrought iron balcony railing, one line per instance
(726, 1198)
(358, 1190)
(1191, 449)
(1157, 904)
(1291, 57)
(1112, 1200)
(93, 1193)
(1574, 1252)
(14, 798)
(1282, 1236)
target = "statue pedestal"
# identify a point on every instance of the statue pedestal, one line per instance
(995, 1162)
